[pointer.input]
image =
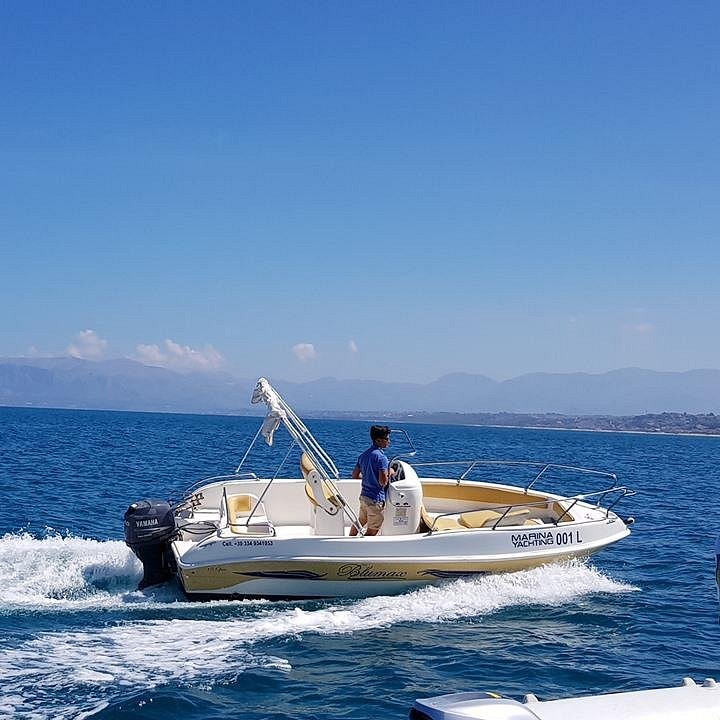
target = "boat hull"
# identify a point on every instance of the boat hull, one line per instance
(301, 579)
(361, 567)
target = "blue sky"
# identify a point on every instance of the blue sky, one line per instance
(362, 190)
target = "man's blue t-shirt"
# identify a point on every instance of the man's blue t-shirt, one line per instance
(371, 462)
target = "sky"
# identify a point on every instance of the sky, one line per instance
(389, 191)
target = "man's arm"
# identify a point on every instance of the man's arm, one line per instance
(356, 474)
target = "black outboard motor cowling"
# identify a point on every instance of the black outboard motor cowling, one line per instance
(149, 528)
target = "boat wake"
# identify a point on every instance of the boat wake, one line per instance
(64, 573)
(202, 644)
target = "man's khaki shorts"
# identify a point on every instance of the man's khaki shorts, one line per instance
(371, 513)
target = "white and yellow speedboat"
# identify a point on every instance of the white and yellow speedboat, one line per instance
(244, 536)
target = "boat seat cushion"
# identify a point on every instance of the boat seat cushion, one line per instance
(488, 518)
(239, 508)
(478, 518)
(429, 523)
(331, 497)
(446, 523)
(306, 465)
(241, 505)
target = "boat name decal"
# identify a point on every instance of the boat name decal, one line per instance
(541, 538)
(356, 571)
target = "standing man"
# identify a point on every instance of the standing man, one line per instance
(374, 469)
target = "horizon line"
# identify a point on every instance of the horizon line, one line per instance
(237, 376)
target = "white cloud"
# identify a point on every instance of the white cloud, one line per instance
(304, 351)
(87, 345)
(642, 328)
(150, 355)
(174, 356)
(352, 345)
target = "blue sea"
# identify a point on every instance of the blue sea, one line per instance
(78, 640)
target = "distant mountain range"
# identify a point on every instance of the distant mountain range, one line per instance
(128, 385)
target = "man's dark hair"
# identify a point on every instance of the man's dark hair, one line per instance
(378, 432)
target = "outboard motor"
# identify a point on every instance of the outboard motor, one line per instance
(149, 528)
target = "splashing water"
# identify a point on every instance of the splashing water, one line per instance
(64, 573)
(71, 575)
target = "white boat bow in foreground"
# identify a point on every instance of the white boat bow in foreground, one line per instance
(240, 535)
(688, 701)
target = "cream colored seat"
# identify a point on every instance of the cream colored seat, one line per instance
(317, 489)
(246, 514)
(437, 524)
(479, 518)
(306, 465)
(332, 498)
(447, 523)
(489, 518)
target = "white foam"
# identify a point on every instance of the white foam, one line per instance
(70, 574)
(142, 654)
(63, 573)
(548, 585)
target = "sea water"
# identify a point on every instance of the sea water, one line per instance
(77, 639)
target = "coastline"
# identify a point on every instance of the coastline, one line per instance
(665, 423)
(523, 421)
(600, 430)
